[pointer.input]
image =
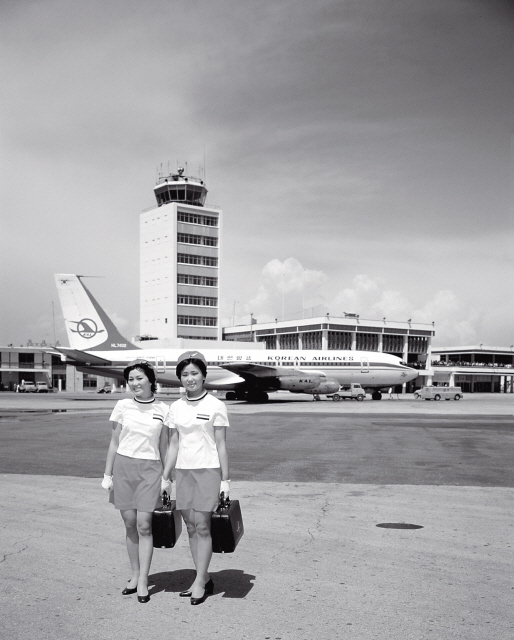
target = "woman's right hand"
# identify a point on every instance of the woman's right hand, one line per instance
(107, 483)
(165, 486)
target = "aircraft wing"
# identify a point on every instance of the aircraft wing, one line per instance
(250, 370)
(81, 357)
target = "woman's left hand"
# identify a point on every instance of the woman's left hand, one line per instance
(225, 487)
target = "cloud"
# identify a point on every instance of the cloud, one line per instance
(290, 291)
(454, 322)
(287, 289)
(370, 298)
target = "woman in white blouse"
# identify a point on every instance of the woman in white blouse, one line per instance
(197, 450)
(134, 466)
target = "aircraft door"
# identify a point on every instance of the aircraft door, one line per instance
(160, 364)
(364, 365)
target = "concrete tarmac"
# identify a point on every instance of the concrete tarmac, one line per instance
(313, 564)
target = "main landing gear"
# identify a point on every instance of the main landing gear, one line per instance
(251, 396)
(376, 395)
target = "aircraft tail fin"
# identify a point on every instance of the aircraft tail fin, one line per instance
(88, 326)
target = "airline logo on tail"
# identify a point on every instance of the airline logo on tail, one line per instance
(86, 328)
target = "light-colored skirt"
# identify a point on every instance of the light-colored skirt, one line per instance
(198, 489)
(137, 483)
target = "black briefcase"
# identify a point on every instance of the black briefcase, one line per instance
(226, 525)
(166, 524)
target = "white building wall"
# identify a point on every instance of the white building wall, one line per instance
(158, 272)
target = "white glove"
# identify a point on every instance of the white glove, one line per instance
(225, 487)
(107, 483)
(166, 486)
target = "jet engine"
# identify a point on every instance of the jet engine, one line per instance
(330, 385)
(301, 382)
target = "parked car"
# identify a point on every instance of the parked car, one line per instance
(27, 386)
(105, 389)
(42, 387)
(437, 393)
(352, 391)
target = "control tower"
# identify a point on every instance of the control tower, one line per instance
(180, 258)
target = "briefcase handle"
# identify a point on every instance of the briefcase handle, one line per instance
(166, 501)
(224, 502)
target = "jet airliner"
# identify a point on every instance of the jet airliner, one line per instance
(97, 347)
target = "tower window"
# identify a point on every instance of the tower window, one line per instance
(191, 238)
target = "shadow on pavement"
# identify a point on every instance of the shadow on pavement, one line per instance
(232, 583)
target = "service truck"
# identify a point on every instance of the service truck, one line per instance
(352, 391)
(438, 393)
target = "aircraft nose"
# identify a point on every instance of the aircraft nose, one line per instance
(412, 374)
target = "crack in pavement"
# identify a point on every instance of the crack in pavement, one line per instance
(24, 548)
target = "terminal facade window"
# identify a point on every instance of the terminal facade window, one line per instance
(311, 340)
(392, 344)
(418, 344)
(289, 341)
(89, 381)
(340, 340)
(270, 341)
(367, 342)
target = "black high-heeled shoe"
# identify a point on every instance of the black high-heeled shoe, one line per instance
(128, 591)
(187, 593)
(208, 591)
(143, 599)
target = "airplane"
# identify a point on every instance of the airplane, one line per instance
(97, 347)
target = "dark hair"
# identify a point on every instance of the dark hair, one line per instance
(146, 368)
(196, 361)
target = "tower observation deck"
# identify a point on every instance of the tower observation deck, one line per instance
(179, 188)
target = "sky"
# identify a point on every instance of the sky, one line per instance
(362, 153)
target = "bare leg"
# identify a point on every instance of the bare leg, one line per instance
(189, 519)
(144, 529)
(132, 539)
(203, 549)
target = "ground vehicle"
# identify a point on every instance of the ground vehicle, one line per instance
(353, 391)
(437, 393)
(106, 389)
(27, 386)
(41, 387)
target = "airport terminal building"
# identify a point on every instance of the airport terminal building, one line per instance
(476, 369)
(409, 341)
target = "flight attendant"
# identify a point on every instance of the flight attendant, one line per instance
(197, 451)
(133, 469)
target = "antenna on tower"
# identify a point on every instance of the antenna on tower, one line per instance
(204, 163)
